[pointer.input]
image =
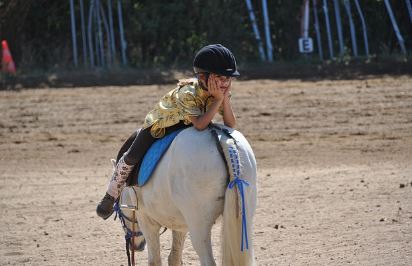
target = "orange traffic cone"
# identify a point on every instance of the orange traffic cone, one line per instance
(7, 61)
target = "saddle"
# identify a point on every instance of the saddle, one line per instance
(153, 156)
(144, 169)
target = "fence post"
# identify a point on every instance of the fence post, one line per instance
(106, 27)
(352, 27)
(329, 34)
(269, 47)
(339, 27)
(89, 33)
(123, 44)
(110, 15)
(84, 40)
(73, 23)
(317, 29)
(395, 27)
(365, 33)
(255, 29)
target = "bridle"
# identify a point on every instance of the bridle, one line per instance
(129, 233)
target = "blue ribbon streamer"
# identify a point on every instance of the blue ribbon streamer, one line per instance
(240, 182)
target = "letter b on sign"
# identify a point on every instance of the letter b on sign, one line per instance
(305, 45)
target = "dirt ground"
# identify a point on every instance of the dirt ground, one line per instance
(334, 171)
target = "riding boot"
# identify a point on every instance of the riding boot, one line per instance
(120, 174)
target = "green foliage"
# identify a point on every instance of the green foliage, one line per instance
(168, 33)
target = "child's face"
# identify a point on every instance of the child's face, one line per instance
(222, 82)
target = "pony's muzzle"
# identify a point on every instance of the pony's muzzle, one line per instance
(140, 247)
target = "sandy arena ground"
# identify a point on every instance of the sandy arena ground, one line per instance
(334, 159)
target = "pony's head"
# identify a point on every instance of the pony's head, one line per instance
(126, 210)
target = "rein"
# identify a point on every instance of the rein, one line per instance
(129, 233)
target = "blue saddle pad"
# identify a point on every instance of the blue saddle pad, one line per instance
(153, 156)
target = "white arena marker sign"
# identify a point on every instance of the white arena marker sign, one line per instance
(305, 45)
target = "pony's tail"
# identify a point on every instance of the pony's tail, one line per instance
(232, 238)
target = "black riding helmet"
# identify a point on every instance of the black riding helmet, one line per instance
(217, 59)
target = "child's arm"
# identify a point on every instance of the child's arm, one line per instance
(202, 121)
(229, 118)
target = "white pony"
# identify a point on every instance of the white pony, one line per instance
(187, 192)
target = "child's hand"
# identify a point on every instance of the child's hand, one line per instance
(214, 89)
(226, 94)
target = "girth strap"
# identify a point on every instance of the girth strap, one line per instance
(219, 148)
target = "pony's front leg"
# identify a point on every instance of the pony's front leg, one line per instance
(150, 231)
(175, 256)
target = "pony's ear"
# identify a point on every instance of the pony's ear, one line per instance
(113, 162)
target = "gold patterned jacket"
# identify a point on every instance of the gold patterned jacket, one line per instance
(187, 99)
